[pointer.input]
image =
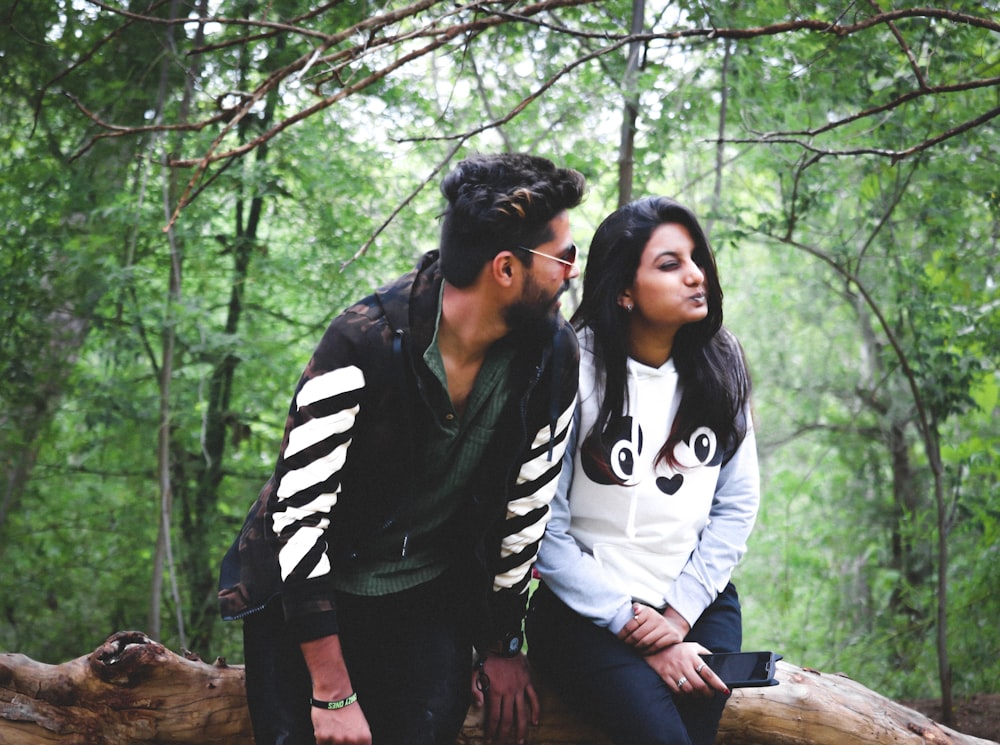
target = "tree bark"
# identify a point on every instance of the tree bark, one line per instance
(133, 690)
(630, 114)
(128, 690)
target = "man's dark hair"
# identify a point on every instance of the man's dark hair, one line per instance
(498, 202)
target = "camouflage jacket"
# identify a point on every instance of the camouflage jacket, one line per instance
(346, 462)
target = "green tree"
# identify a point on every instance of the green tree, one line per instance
(843, 156)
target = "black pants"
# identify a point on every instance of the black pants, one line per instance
(609, 682)
(409, 656)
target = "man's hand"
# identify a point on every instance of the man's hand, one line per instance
(347, 726)
(331, 682)
(511, 702)
(649, 631)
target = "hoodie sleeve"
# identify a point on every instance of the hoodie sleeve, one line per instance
(723, 542)
(571, 573)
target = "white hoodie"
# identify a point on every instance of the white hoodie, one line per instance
(655, 534)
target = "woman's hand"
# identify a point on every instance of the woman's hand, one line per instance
(649, 631)
(685, 672)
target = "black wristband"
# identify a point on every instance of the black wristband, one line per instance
(333, 705)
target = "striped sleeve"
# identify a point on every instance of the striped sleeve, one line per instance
(321, 421)
(528, 510)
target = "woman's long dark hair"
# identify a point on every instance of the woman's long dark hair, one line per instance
(708, 359)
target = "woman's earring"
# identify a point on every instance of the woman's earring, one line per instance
(628, 308)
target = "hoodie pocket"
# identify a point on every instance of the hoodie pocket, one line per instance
(643, 573)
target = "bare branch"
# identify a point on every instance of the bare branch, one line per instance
(895, 103)
(203, 163)
(292, 26)
(777, 29)
(918, 73)
(402, 205)
(534, 96)
(115, 130)
(894, 155)
(404, 35)
(484, 97)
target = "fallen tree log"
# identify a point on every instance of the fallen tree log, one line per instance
(133, 690)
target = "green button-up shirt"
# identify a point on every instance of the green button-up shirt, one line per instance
(448, 450)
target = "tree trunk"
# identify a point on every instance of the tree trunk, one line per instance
(199, 492)
(133, 690)
(630, 114)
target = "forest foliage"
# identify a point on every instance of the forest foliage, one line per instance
(191, 190)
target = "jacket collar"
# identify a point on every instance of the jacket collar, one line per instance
(410, 303)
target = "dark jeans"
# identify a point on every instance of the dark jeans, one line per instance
(409, 656)
(610, 684)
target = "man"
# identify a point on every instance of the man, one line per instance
(421, 450)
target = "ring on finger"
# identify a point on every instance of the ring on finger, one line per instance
(681, 681)
(700, 668)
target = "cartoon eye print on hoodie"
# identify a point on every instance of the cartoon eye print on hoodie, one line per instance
(621, 445)
(613, 459)
(700, 449)
(625, 457)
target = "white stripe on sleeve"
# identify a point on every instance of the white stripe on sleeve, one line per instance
(316, 430)
(540, 497)
(297, 547)
(330, 384)
(289, 516)
(315, 472)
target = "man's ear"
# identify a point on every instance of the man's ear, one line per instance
(502, 268)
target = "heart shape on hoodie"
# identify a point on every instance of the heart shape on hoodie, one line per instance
(671, 485)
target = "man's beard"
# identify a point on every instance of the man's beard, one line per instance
(534, 315)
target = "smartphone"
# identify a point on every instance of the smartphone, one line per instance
(744, 669)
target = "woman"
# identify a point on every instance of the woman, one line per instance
(654, 511)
